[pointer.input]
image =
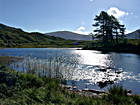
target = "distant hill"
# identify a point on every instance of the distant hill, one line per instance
(10, 36)
(70, 35)
(15, 37)
(134, 35)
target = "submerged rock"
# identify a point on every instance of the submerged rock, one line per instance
(103, 84)
(94, 91)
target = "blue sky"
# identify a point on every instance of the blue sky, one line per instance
(72, 15)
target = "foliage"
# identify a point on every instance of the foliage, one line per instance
(111, 36)
(118, 96)
(108, 28)
(117, 90)
(127, 46)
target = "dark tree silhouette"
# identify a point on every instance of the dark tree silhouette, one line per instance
(109, 30)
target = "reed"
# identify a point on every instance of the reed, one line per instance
(60, 67)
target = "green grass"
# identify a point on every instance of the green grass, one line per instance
(54, 44)
(28, 89)
(18, 88)
(118, 96)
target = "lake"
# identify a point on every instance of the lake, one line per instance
(89, 68)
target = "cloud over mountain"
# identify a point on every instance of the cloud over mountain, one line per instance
(81, 30)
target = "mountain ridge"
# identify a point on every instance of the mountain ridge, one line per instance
(76, 36)
(70, 35)
(16, 37)
(134, 34)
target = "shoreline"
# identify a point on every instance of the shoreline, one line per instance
(10, 59)
(80, 48)
(17, 87)
(115, 51)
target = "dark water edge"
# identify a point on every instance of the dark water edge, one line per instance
(131, 51)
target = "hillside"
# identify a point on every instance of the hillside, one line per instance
(70, 35)
(15, 37)
(134, 35)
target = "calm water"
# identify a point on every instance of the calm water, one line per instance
(89, 72)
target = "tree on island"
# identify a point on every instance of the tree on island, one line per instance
(109, 29)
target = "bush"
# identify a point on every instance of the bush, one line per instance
(117, 90)
(118, 96)
(30, 80)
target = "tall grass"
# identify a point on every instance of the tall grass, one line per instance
(60, 67)
(118, 96)
(117, 90)
(29, 89)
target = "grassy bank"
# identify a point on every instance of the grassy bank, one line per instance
(28, 89)
(127, 46)
(53, 44)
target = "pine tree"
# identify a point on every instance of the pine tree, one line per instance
(109, 30)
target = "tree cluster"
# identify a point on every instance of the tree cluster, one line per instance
(108, 28)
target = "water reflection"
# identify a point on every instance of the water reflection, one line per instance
(94, 58)
(93, 69)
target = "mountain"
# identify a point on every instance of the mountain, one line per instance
(70, 35)
(134, 35)
(10, 36)
(15, 37)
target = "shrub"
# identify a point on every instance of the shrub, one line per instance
(118, 96)
(117, 90)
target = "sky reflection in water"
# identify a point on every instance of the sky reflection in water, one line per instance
(91, 63)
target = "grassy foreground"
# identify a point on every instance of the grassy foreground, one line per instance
(28, 89)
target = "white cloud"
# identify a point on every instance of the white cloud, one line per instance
(116, 12)
(131, 30)
(127, 31)
(81, 30)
